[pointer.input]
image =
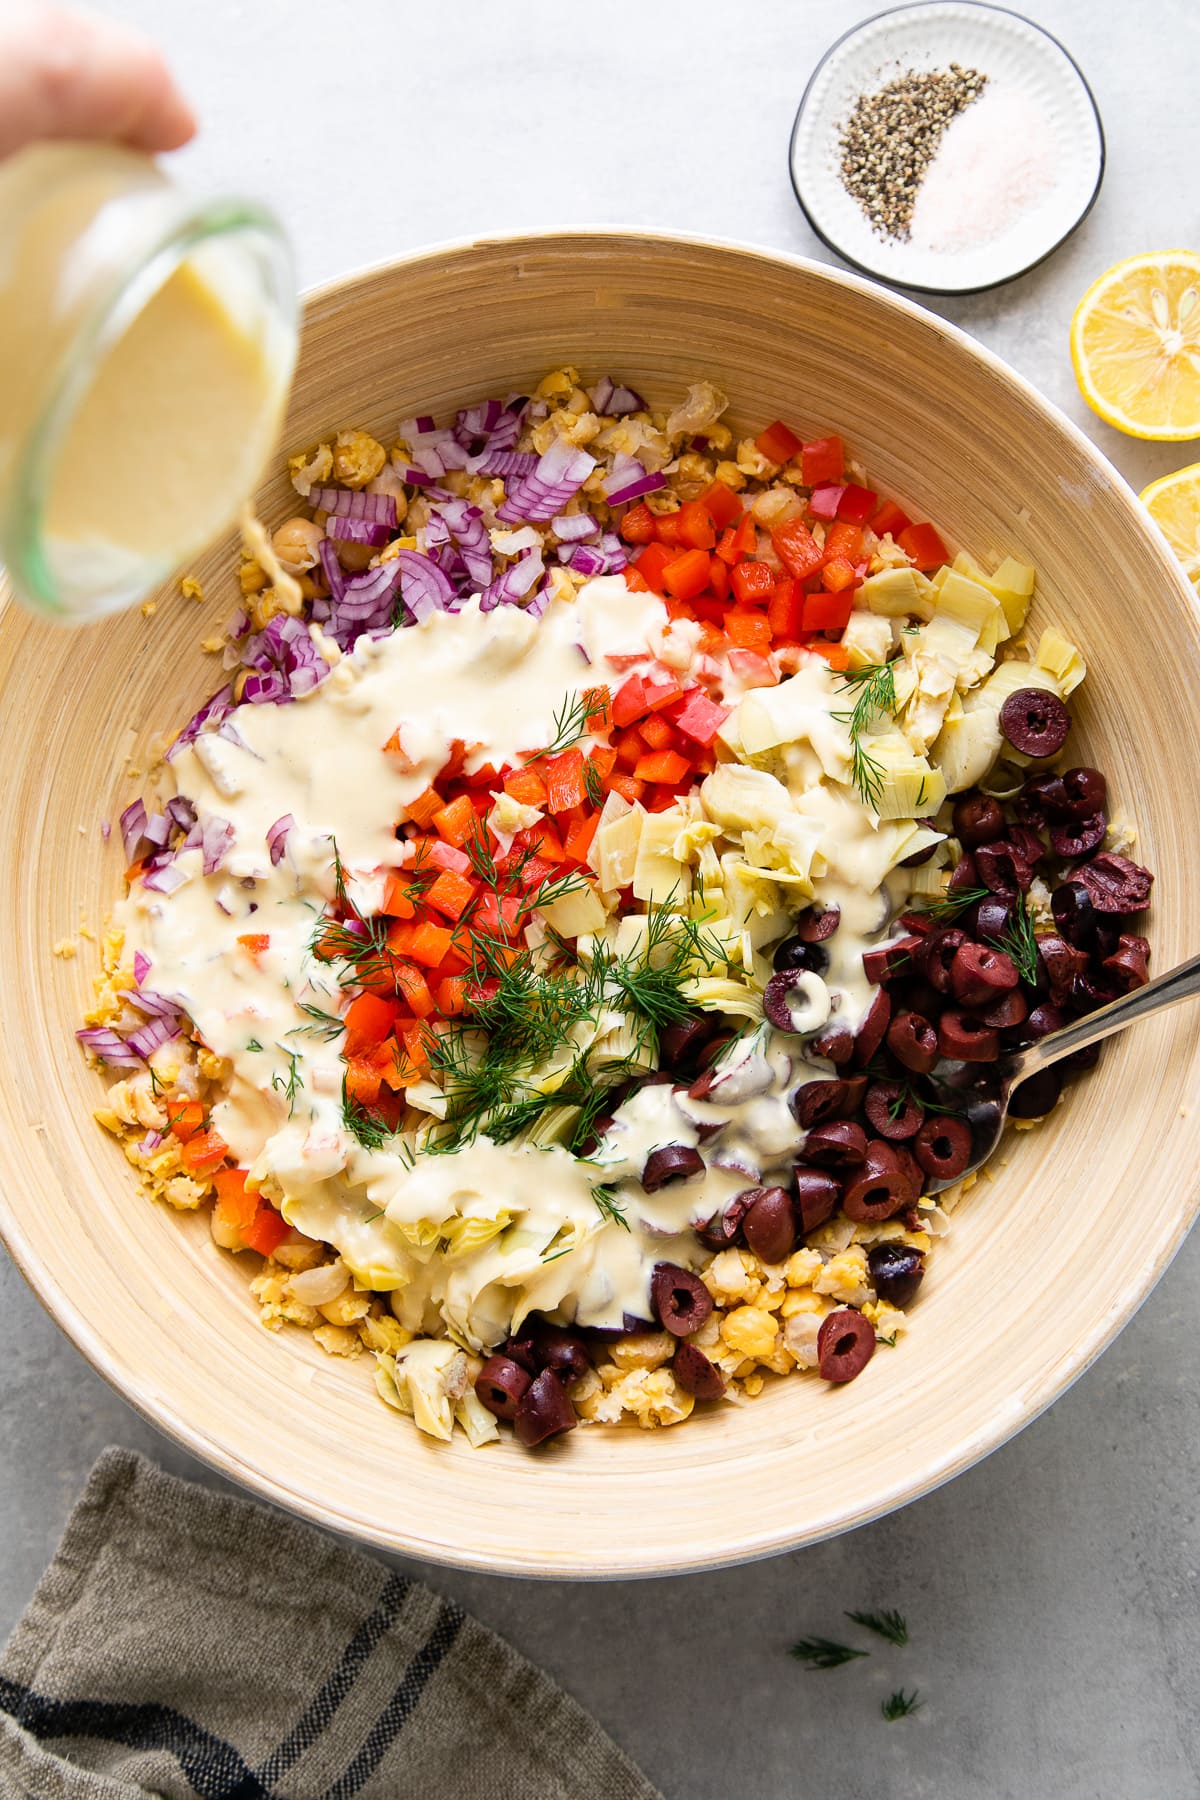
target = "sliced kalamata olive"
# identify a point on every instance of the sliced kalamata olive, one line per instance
(892, 1111)
(523, 1350)
(841, 1144)
(979, 974)
(1078, 837)
(696, 1375)
(835, 1044)
(1114, 884)
(1080, 1061)
(1002, 869)
(879, 1189)
(963, 876)
(1091, 991)
(680, 1299)
(1007, 1011)
(966, 1039)
(544, 1410)
(680, 1045)
(919, 923)
(817, 1101)
(1037, 1095)
(817, 1195)
(1061, 961)
(910, 1168)
(1043, 1020)
(796, 1000)
(770, 1225)
(896, 1272)
(943, 1147)
(725, 1228)
(912, 1040)
(671, 1163)
(500, 1384)
(1027, 843)
(978, 820)
(1042, 798)
(888, 960)
(919, 858)
(1085, 791)
(937, 955)
(1108, 935)
(993, 917)
(816, 923)
(1129, 963)
(845, 1345)
(1035, 722)
(873, 1029)
(561, 1351)
(1074, 913)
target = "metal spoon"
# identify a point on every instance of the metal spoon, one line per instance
(987, 1113)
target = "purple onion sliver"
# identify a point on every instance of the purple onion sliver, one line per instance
(633, 490)
(357, 531)
(112, 1049)
(152, 1036)
(141, 966)
(164, 879)
(334, 574)
(377, 509)
(425, 587)
(132, 823)
(517, 581)
(572, 528)
(216, 835)
(277, 838)
(180, 810)
(504, 463)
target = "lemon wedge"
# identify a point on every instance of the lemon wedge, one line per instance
(1174, 503)
(1135, 345)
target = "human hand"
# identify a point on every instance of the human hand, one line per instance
(66, 74)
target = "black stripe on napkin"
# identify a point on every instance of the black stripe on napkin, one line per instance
(214, 1767)
(402, 1704)
(329, 1696)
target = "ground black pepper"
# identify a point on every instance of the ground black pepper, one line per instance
(892, 136)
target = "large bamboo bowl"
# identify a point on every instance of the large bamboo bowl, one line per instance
(1047, 1260)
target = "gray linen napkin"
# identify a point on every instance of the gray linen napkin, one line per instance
(183, 1643)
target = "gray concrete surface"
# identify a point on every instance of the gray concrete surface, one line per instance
(1051, 1593)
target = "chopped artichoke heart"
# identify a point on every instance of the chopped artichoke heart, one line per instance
(1059, 657)
(464, 1236)
(867, 639)
(581, 910)
(799, 710)
(657, 875)
(947, 638)
(967, 746)
(929, 880)
(422, 1369)
(976, 606)
(615, 849)
(1009, 678)
(478, 1423)
(909, 785)
(713, 994)
(898, 594)
(741, 798)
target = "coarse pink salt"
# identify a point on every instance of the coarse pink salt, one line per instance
(995, 162)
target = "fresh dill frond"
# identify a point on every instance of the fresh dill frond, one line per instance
(554, 1256)
(253, 1044)
(290, 1085)
(321, 1024)
(367, 1130)
(889, 1625)
(890, 1340)
(874, 690)
(570, 721)
(900, 1705)
(1019, 941)
(822, 1653)
(593, 781)
(608, 1206)
(950, 905)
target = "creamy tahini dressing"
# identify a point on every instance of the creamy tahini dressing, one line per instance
(497, 680)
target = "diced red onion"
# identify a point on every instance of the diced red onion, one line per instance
(216, 836)
(471, 536)
(212, 712)
(628, 479)
(358, 531)
(277, 838)
(560, 473)
(572, 528)
(149, 1143)
(587, 560)
(133, 826)
(152, 1036)
(157, 830)
(155, 1006)
(413, 477)
(614, 401)
(165, 878)
(266, 690)
(334, 573)
(517, 581)
(504, 463)
(106, 829)
(425, 588)
(111, 1048)
(180, 810)
(141, 966)
(349, 503)
(477, 421)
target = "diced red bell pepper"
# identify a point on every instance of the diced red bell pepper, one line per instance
(625, 785)
(753, 581)
(266, 1231)
(666, 531)
(856, 504)
(696, 528)
(661, 690)
(637, 527)
(723, 505)
(563, 776)
(204, 1152)
(456, 822)
(738, 541)
(656, 732)
(579, 838)
(836, 655)
(436, 853)
(430, 943)
(603, 760)
(485, 776)
(497, 915)
(234, 1206)
(452, 768)
(635, 582)
(652, 562)
(413, 985)
(785, 609)
(845, 541)
(450, 894)
(363, 1080)
(824, 501)
(753, 669)
(254, 943)
(630, 748)
(747, 628)
(890, 520)
(452, 995)
(629, 701)
(777, 443)
(666, 767)
(822, 459)
(718, 577)
(797, 549)
(421, 810)
(369, 1019)
(599, 700)
(687, 575)
(836, 577)
(827, 612)
(526, 786)
(923, 547)
(699, 718)
(185, 1118)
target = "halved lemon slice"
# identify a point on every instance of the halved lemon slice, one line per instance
(1174, 503)
(1135, 344)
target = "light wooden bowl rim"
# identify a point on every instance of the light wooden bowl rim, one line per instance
(741, 1542)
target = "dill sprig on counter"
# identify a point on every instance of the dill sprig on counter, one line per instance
(900, 1705)
(890, 1625)
(822, 1653)
(874, 690)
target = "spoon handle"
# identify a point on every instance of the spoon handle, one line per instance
(1181, 983)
